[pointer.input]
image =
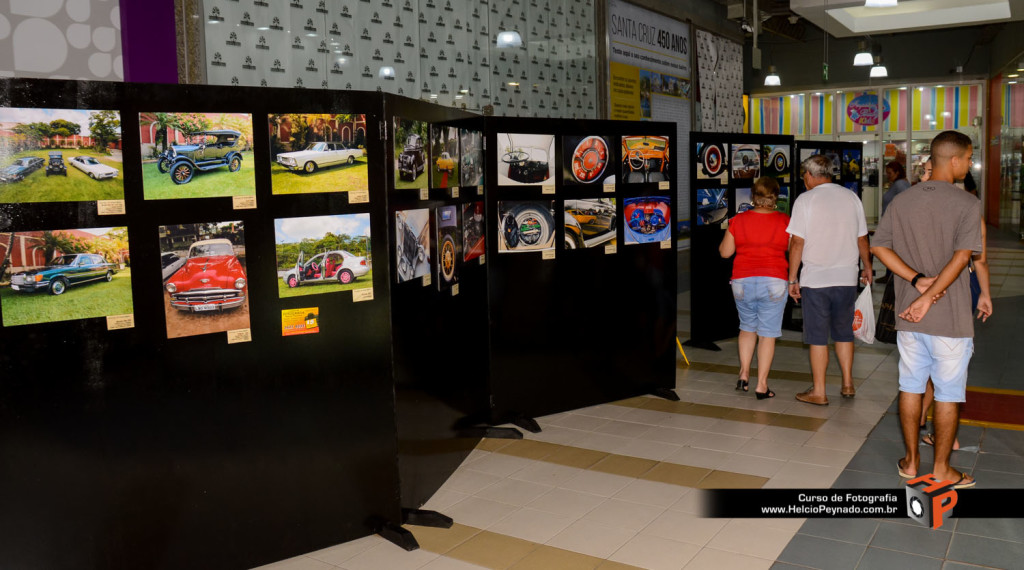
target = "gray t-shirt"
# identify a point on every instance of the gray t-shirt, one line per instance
(924, 225)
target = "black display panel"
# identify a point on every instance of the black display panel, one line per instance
(124, 448)
(847, 163)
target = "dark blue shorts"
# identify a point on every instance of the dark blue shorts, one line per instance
(828, 310)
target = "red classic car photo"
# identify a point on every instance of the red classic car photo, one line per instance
(212, 278)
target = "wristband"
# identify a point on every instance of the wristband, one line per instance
(913, 282)
(793, 282)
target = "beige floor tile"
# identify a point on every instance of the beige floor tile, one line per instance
(441, 540)
(624, 465)
(684, 527)
(480, 513)
(687, 422)
(579, 458)
(550, 558)
(592, 539)
(557, 435)
(445, 563)
(533, 525)
(706, 458)
(655, 553)
(596, 483)
(613, 565)
(489, 444)
(651, 493)
(644, 416)
(717, 442)
(751, 537)
(529, 449)
(618, 513)
(514, 492)
(718, 479)
(712, 559)
(492, 550)
(684, 475)
(802, 422)
(568, 503)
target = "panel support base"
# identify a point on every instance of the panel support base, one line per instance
(527, 423)
(666, 393)
(706, 345)
(420, 517)
(398, 536)
(491, 432)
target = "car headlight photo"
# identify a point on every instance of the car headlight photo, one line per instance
(171, 288)
(239, 283)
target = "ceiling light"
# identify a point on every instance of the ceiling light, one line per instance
(746, 27)
(772, 79)
(879, 3)
(878, 70)
(508, 39)
(1013, 75)
(863, 57)
(1011, 83)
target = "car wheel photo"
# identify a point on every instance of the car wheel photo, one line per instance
(93, 176)
(570, 240)
(293, 282)
(448, 258)
(345, 277)
(58, 286)
(182, 173)
(235, 164)
(309, 167)
(163, 165)
(110, 276)
(351, 160)
(534, 225)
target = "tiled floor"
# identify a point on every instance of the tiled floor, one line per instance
(617, 486)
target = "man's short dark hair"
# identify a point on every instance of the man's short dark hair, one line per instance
(948, 144)
(818, 166)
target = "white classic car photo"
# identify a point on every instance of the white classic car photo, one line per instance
(318, 155)
(94, 168)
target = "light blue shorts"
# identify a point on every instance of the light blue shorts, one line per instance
(760, 302)
(942, 358)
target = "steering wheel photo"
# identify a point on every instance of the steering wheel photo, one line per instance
(636, 159)
(515, 156)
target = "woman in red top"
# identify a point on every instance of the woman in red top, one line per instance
(758, 238)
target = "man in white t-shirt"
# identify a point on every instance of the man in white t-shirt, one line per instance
(829, 235)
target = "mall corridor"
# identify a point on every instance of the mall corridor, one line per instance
(616, 486)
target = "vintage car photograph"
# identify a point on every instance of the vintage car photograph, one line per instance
(525, 159)
(323, 254)
(712, 206)
(746, 161)
(471, 148)
(526, 226)
(585, 160)
(744, 200)
(412, 244)
(196, 155)
(312, 153)
(645, 159)
(647, 219)
(411, 156)
(93, 168)
(782, 204)
(712, 161)
(209, 292)
(63, 275)
(776, 161)
(474, 241)
(449, 256)
(851, 164)
(589, 223)
(444, 156)
(37, 145)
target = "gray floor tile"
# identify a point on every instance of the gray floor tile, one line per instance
(912, 539)
(850, 479)
(857, 531)
(784, 566)
(985, 551)
(1003, 529)
(821, 553)
(877, 456)
(996, 479)
(1003, 441)
(877, 559)
(1000, 462)
(887, 428)
(958, 566)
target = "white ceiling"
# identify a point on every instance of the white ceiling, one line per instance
(845, 18)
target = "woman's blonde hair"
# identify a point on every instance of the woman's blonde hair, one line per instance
(765, 192)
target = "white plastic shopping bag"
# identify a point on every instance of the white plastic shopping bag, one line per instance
(864, 317)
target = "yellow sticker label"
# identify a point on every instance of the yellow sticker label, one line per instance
(455, 289)
(364, 294)
(119, 322)
(666, 243)
(609, 187)
(424, 193)
(300, 321)
(610, 249)
(426, 280)
(243, 202)
(455, 192)
(547, 254)
(110, 207)
(547, 189)
(483, 257)
(480, 189)
(663, 185)
(358, 196)
(239, 335)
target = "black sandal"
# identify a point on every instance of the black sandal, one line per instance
(763, 395)
(742, 384)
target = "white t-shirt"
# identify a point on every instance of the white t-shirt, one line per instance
(829, 218)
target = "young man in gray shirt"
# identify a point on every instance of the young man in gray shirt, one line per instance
(926, 238)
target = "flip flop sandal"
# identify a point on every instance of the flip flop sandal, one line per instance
(899, 468)
(742, 384)
(961, 485)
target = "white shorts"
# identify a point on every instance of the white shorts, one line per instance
(941, 358)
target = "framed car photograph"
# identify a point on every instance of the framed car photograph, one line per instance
(60, 155)
(525, 159)
(525, 226)
(746, 161)
(412, 244)
(590, 223)
(471, 151)
(444, 156)
(449, 247)
(645, 159)
(776, 161)
(712, 206)
(208, 291)
(411, 156)
(474, 240)
(648, 219)
(712, 161)
(587, 160)
(322, 254)
(312, 153)
(196, 155)
(65, 275)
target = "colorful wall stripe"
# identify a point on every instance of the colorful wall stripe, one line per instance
(1013, 105)
(941, 108)
(897, 120)
(821, 115)
(777, 115)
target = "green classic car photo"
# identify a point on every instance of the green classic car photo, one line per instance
(63, 272)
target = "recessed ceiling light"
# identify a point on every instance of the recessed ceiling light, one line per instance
(1013, 75)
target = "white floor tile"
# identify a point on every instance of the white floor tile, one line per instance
(750, 465)
(576, 421)
(651, 493)
(597, 483)
(784, 435)
(718, 442)
(674, 436)
(601, 442)
(751, 537)
(469, 481)
(684, 527)
(625, 514)
(340, 553)
(730, 427)
(480, 513)
(803, 476)
(609, 411)
(297, 563)
(835, 441)
(546, 473)
(691, 503)
(687, 422)
(769, 449)
(557, 434)
(591, 538)
(514, 492)
(655, 553)
(642, 416)
(693, 457)
(712, 559)
(533, 525)
(624, 429)
(499, 464)
(387, 555)
(443, 499)
(564, 502)
(644, 449)
(821, 456)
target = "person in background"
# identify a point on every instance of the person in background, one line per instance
(829, 234)
(758, 238)
(898, 182)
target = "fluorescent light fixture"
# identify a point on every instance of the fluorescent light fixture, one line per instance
(261, 28)
(386, 72)
(1011, 82)
(513, 84)
(772, 79)
(863, 57)
(1013, 75)
(880, 3)
(878, 70)
(507, 39)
